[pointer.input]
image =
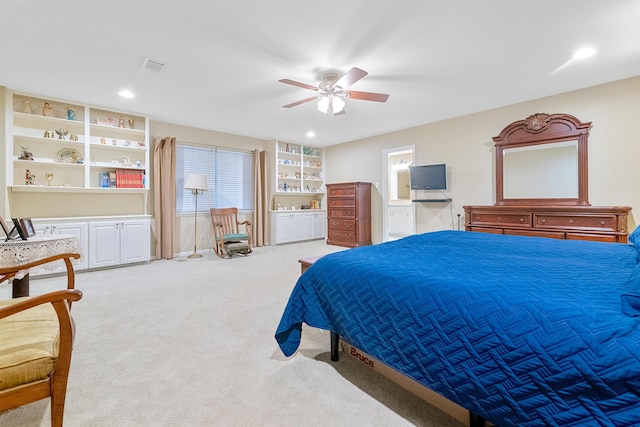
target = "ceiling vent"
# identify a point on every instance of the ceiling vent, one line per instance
(151, 65)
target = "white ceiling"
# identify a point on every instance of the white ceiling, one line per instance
(436, 59)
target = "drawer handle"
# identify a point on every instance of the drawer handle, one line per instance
(543, 221)
(521, 219)
(570, 221)
(477, 218)
(601, 222)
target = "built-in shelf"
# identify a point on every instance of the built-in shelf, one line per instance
(432, 200)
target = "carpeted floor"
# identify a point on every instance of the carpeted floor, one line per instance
(189, 342)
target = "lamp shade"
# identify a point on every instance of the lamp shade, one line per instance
(196, 181)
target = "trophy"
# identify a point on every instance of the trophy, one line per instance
(49, 177)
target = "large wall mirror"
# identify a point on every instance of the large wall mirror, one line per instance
(542, 160)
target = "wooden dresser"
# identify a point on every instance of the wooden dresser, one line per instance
(349, 214)
(600, 223)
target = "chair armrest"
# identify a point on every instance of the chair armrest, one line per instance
(10, 272)
(55, 298)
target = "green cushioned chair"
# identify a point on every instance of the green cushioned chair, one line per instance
(226, 229)
(36, 341)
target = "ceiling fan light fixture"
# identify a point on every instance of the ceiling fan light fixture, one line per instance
(323, 104)
(337, 105)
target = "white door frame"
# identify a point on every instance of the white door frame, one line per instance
(385, 187)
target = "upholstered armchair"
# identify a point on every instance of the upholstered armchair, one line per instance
(36, 341)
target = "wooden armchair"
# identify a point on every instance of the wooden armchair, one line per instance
(226, 229)
(36, 340)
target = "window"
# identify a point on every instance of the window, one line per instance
(229, 177)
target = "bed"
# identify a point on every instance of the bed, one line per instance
(521, 331)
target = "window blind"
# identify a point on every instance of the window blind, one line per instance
(229, 178)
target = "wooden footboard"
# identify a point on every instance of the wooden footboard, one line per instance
(434, 399)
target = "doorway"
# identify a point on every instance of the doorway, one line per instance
(398, 207)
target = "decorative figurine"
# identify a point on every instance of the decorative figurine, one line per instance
(46, 134)
(70, 114)
(121, 122)
(46, 109)
(73, 138)
(126, 162)
(61, 133)
(114, 142)
(49, 177)
(138, 163)
(132, 123)
(26, 107)
(29, 177)
(103, 141)
(25, 154)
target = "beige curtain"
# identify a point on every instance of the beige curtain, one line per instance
(164, 193)
(260, 202)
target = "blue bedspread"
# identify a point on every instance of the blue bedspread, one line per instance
(523, 331)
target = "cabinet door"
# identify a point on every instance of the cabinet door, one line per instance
(297, 227)
(319, 221)
(283, 228)
(134, 241)
(104, 244)
(45, 227)
(308, 220)
(81, 231)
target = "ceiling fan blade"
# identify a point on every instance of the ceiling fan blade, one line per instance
(300, 102)
(367, 96)
(352, 76)
(294, 83)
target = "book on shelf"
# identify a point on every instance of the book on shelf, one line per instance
(126, 178)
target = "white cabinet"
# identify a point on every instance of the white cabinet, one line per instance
(295, 226)
(46, 227)
(118, 242)
(401, 221)
(55, 145)
(105, 241)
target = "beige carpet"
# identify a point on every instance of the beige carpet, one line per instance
(190, 343)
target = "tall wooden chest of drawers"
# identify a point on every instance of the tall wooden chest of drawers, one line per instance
(349, 214)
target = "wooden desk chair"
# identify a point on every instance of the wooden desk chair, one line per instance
(226, 229)
(36, 341)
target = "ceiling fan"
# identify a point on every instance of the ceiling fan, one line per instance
(332, 90)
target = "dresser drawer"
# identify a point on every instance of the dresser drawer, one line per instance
(341, 203)
(348, 237)
(341, 224)
(341, 212)
(500, 219)
(583, 222)
(342, 192)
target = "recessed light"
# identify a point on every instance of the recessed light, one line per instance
(126, 93)
(311, 134)
(585, 52)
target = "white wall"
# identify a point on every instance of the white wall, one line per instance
(465, 144)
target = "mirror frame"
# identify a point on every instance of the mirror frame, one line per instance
(540, 129)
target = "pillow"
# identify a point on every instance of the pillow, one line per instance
(630, 298)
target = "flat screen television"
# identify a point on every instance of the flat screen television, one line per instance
(428, 177)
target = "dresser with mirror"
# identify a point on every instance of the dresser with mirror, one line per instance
(542, 185)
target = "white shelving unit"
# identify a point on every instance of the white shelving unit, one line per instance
(299, 169)
(74, 142)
